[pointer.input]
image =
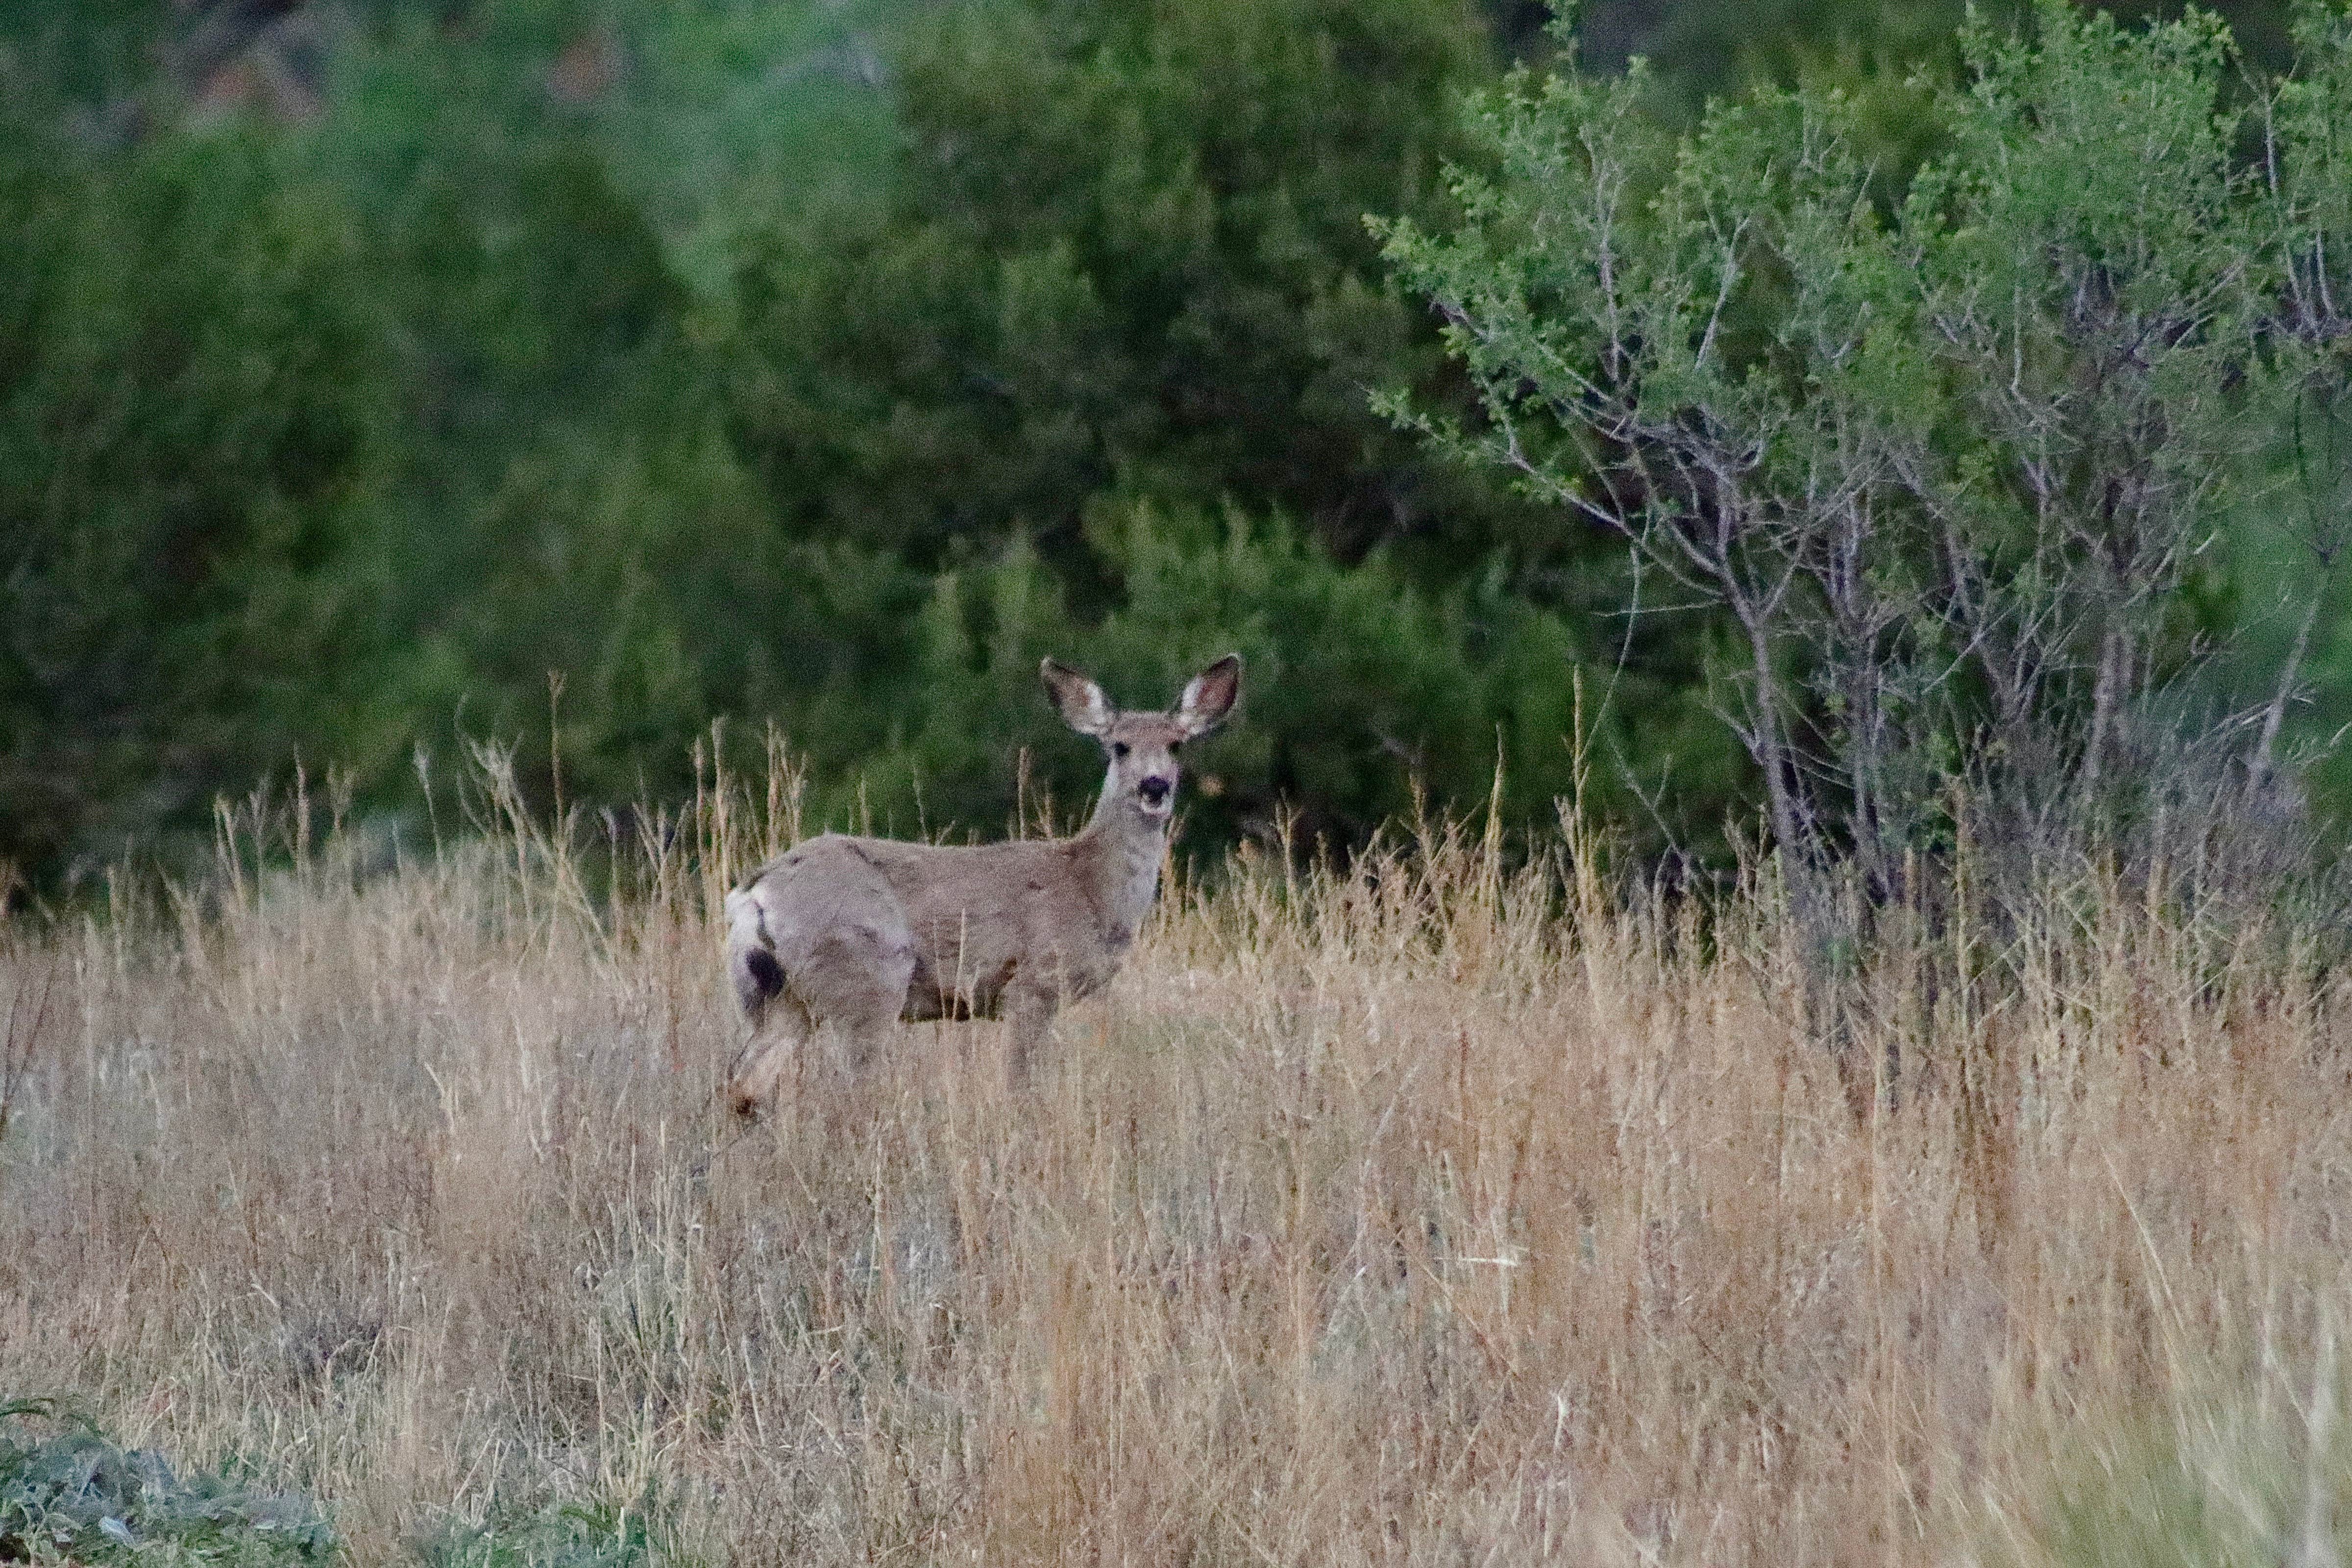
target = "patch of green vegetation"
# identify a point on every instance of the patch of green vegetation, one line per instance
(570, 1535)
(68, 1494)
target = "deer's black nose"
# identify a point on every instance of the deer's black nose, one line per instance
(1153, 791)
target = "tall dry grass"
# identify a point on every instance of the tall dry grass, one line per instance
(1428, 1212)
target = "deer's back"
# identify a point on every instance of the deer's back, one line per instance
(975, 916)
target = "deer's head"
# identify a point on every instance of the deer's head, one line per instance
(1141, 748)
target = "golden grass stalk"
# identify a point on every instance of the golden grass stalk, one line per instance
(1430, 1210)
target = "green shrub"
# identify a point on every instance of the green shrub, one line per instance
(1125, 252)
(69, 1495)
(1360, 688)
(193, 414)
(1953, 471)
(569, 1536)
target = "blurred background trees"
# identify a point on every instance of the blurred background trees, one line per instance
(364, 366)
(1949, 465)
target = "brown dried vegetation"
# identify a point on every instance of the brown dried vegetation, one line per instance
(1430, 1212)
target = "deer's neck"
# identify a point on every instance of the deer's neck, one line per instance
(1120, 854)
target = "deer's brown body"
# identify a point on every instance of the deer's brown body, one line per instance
(853, 934)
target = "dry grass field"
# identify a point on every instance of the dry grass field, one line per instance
(1427, 1213)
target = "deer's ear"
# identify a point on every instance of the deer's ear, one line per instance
(1209, 697)
(1083, 706)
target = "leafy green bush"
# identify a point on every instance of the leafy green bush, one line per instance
(803, 362)
(1125, 252)
(1359, 687)
(1950, 472)
(193, 421)
(69, 1495)
(566, 1536)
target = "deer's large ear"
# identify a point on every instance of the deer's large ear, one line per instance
(1083, 706)
(1209, 697)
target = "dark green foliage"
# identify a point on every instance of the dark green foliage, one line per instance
(585, 374)
(1125, 251)
(462, 442)
(192, 420)
(327, 440)
(1359, 686)
(69, 1495)
(557, 1537)
(1699, 48)
(1949, 471)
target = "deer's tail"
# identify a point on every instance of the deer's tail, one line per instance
(750, 956)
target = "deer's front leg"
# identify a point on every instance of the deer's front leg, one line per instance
(1028, 1013)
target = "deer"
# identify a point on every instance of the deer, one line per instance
(848, 936)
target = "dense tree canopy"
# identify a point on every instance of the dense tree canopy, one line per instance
(379, 377)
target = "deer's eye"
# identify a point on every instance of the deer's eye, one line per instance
(1174, 747)
(1118, 748)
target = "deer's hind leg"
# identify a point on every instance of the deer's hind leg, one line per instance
(853, 982)
(846, 986)
(780, 1032)
(840, 959)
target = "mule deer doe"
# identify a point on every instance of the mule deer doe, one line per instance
(851, 934)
